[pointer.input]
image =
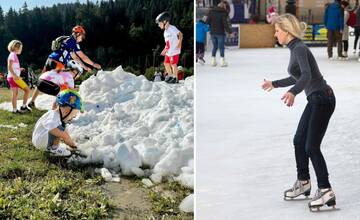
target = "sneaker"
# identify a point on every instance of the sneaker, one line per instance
(213, 61)
(25, 109)
(31, 105)
(167, 78)
(299, 188)
(201, 61)
(345, 54)
(323, 197)
(331, 58)
(59, 151)
(172, 80)
(17, 112)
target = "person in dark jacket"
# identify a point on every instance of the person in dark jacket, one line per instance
(219, 23)
(357, 30)
(334, 23)
(305, 76)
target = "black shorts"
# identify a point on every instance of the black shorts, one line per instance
(48, 87)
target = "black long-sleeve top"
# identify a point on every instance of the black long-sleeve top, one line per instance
(303, 69)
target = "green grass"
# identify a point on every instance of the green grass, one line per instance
(33, 186)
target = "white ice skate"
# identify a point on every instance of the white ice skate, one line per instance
(342, 58)
(213, 61)
(322, 197)
(299, 188)
(223, 63)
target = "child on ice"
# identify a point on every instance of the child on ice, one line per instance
(173, 39)
(50, 128)
(13, 77)
(201, 29)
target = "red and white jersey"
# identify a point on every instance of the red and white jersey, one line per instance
(172, 40)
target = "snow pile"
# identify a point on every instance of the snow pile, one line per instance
(136, 126)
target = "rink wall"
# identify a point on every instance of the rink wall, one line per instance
(256, 36)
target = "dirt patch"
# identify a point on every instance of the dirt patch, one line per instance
(129, 199)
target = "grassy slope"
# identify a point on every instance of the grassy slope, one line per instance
(32, 185)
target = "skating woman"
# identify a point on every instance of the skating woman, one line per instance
(305, 75)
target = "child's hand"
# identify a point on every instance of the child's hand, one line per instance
(163, 52)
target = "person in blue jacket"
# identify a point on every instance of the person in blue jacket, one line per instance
(334, 23)
(201, 29)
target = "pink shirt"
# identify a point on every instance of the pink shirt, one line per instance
(15, 64)
(63, 79)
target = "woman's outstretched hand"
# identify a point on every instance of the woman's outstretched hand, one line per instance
(288, 99)
(267, 85)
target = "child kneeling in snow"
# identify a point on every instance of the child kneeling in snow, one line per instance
(50, 128)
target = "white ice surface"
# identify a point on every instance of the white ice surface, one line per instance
(244, 152)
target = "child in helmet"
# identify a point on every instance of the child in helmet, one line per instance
(13, 77)
(70, 50)
(52, 82)
(173, 40)
(50, 128)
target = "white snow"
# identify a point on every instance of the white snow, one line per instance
(244, 152)
(107, 175)
(147, 182)
(187, 205)
(131, 124)
(43, 102)
(12, 127)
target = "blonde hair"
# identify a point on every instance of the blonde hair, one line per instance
(289, 23)
(14, 45)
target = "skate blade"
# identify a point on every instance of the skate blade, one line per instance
(324, 209)
(300, 197)
(289, 199)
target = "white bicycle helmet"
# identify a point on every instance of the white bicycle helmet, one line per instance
(73, 65)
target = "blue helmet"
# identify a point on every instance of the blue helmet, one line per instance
(70, 98)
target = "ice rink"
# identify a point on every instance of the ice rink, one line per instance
(244, 152)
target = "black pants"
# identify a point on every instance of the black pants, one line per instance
(309, 134)
(200, 50)
(357, 33)
(48, 87)
(346, 45)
